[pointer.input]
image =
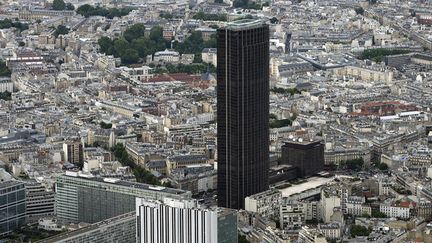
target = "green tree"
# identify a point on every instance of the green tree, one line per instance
(382, 166)
(280, 123)
(214, 17)
(61, 30)
(274, 20)
(130, 56)
(378, 214)
(353, 164)
(4, 70)
(246, 4)
(7, 23)
(195, 43)
(59, 5)
(166, 15)
(134, 32)
(359, 230)
(87, 10)
(120, 46)
(378, 54)
(70, 6)
(105, 44)
(84, 9)
(105, 125)
(285, 91)
(5, 95)
(242, 239)
(156, 33)
(359, 10)
(141, 174)
(143, 46)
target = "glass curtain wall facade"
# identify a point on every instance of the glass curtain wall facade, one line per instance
(242, 111)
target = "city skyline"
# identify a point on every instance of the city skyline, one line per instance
(216, 121)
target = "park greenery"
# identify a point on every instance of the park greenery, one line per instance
(247, 4)
(4, 70)
(382, 166)
(166, 15)
(210, 17)
(378, 54)
(61, 5)
(194, 44)
(359, 10)
(142, 175)
(194, 68)
(401, 190)
(133, 45)
(274, 20)
(30, 233)
(5, 95)
(378, 214)
(280, 123)
(7, 23)
(352, 164)
(359, 230)
(285, 91)
(61, 30)
(275, 123)
(87, 10)
(105, 125)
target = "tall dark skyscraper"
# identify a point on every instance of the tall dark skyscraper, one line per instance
(242, 111)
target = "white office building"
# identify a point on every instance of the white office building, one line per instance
(175, 221)
(395, 211)
(6, 85)
(166, 56)
(137, 73)
(209, 55)
(264, 203)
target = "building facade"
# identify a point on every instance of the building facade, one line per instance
(118, 229)
(40, 202)
(181, 221)
(12, 206)
(83, 198)
(307, 156)
(242, 111)
(73, 152)
(395, 211)
(355, 205)
(6, 85)
(209, 55)
(264, 203)
(292, 214)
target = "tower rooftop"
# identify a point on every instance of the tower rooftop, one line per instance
(244, 24)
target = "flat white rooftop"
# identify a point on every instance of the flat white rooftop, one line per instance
(311, 183)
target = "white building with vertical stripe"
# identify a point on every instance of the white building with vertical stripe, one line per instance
(175, 221)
